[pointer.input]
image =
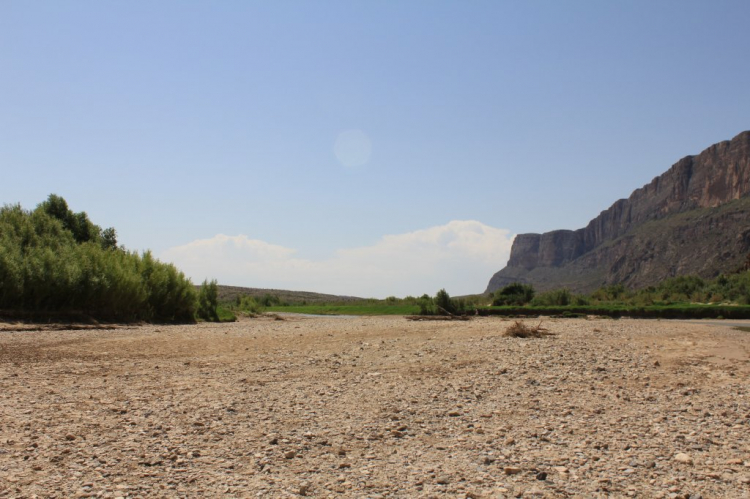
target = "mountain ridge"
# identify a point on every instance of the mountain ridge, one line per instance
(718, 175)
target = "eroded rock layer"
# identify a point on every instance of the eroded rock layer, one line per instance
(692, 219)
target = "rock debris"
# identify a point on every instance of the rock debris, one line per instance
(376, 407)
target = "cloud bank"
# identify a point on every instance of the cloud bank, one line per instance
(459, 256)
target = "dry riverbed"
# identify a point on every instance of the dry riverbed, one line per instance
(376, 407)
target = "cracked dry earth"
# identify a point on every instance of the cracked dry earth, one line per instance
(376, 407)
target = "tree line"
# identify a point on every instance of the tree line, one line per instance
(55, 261)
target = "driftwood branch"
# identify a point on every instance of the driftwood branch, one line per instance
(436, 318)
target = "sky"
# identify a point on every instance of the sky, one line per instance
(365, 148)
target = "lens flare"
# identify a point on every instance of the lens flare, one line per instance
(352, 148)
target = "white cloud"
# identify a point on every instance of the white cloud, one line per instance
(460, 256)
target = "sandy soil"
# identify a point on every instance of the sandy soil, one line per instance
(376, 407)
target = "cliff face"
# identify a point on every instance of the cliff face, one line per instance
(594, 256)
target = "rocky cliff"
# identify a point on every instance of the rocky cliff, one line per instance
(694, 219)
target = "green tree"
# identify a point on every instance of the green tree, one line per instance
(208, 301)
(83, 229)
(445, 304)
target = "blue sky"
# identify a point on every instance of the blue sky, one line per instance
(364, 148)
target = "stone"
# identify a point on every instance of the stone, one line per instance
(327, 417)
(681, 457)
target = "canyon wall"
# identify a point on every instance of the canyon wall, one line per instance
(617, 246)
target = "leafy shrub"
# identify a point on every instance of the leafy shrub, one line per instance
(426, 305)
(251, 305)
(443, 304)
(514, 294)
(611, 293)
(681, 288)
(559, 297)
(208, 301)
(269, 300)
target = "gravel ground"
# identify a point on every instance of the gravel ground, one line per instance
(376, 407)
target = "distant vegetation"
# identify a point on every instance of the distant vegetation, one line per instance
(440, 304)
(725, 289)
(514, 294)
(230, 293)
(727, 296)
(57, 262)
(680, 297)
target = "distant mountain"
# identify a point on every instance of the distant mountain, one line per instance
(693, 219)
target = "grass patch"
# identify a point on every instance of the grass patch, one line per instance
(743, 329)
(225, 315)
(354, 309)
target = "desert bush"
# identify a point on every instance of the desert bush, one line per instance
(426, 305)
(250, 305)
(514, 294)
(737, 288)
(611, 293)
(559, 297)
(681, 288)
(444, 304)
(520, 330)
(269, 300)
